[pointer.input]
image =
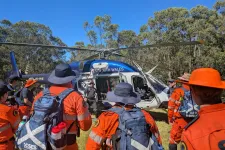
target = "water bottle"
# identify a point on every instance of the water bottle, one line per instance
(24, 120)
(56, 133)
(62, 127)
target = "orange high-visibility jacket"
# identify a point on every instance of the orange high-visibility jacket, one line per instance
(9, 121)
(107, 125)
(174, 104)
(207, 132)
(74, 110)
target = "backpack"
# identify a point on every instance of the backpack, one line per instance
(133, 131)
(188, 108)
(37, 132)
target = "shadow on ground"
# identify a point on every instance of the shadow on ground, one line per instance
(159, 116)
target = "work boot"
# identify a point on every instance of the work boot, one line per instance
(172, 146)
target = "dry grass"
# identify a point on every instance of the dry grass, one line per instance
(160, 115)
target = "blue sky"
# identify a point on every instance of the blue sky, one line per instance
(66, 17)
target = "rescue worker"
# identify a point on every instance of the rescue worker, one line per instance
(172, 86)
(108, 123)
(9, 120)
(174, 117)
(27, 97)
(90, 91)
(75, 108)
(207, 131)
(90, 97)
(13, 79)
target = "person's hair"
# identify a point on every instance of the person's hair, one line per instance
(119, 104)
(208, 95)
(2, 93)
(12, 79)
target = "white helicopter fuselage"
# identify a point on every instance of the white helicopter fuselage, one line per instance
(134, 78)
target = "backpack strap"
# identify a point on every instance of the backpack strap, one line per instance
(61, 97)
(190, 123)
(46, 91)
(118, 110)
(9, 87)
(185, 90)
(64, 94)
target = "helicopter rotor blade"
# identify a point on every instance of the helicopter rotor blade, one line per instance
(92, 57)
(96, 55)
(111, 50)
(41, 78)
(160, 45)
(143, 62)
(116, 54)
(47, 46)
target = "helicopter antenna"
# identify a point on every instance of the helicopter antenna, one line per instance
(139, 67)
(151, 70)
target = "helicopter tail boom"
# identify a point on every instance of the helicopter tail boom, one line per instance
(15, 69)
(42, 78)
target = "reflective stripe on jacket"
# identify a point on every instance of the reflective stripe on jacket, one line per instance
(9, 121)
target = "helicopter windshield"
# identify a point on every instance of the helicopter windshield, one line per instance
(157, 85)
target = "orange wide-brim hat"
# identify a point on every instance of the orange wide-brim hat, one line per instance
(30, 82)
(184, 78)
(207, 77)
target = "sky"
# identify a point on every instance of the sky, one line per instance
(66, 17)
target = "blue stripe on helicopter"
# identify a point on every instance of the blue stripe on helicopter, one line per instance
(113, 66)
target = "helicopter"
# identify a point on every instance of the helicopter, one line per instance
(107, 73)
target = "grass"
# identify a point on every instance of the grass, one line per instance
(82, 140)
(160, 116)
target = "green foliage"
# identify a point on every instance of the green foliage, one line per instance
(179, 24)
(33, 60)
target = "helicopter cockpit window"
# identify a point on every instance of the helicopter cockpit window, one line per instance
(140, 86)
(138, 83)
(159, 87)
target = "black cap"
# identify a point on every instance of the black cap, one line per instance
(3, 87)
(14, 77)
(171, 80)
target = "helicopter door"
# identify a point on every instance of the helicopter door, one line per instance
(123, 78)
